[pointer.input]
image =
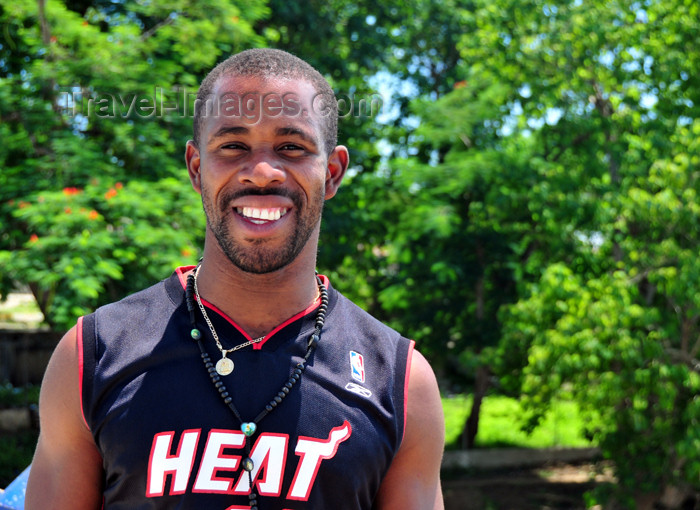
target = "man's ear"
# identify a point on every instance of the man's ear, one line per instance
(338, 161)
(193, 165)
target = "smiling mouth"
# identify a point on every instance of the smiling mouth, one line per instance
(260, 216)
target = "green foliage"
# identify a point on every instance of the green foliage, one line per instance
(104, 90)
(96, 106)
(548, 221)
(595, 340)
(82, 243)
(613, 320)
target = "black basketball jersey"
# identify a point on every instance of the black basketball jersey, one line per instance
(168, 440)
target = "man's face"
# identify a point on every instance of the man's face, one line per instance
(262, 171)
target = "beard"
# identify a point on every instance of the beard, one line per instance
(255, 257)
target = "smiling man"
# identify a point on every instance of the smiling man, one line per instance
(246, 382)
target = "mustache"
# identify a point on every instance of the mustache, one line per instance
(229, 197)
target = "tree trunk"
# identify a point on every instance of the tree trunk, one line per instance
(471, 426)
(43, 299)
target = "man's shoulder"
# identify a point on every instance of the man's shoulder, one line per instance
(353, 317)
(161, 295)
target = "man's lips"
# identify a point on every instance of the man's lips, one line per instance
(260, 215)
(262, 208)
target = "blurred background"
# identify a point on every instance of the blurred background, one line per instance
(522, 201)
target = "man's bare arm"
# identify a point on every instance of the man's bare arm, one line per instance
(413, 480)
(66, 471)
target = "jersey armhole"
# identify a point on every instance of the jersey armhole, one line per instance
(409, 358)
(85, 335)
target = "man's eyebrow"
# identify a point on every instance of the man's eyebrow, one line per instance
(293, 131)
(229, 130)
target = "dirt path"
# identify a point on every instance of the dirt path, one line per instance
(556, 487)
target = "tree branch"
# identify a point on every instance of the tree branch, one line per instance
(43, 23)
(695, 350)
(687, 327)
(167, 21)
(466, 140)
(679, 356)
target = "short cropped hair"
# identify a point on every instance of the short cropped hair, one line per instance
(269, 63)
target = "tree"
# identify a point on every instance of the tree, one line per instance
(556, 199)
(97, 93)
(96, 104)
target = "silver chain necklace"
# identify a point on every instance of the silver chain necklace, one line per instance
(225, 365)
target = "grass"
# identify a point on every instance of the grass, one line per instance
(501, 419)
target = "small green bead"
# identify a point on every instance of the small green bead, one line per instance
(196, 334)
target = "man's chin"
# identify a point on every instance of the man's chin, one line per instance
(260, 262)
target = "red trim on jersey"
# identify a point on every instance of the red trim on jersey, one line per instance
(81, 366)
(234, 507)
(180, 271)
(183, 281)
(405, 387)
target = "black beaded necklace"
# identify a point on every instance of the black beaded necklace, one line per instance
(249, 428)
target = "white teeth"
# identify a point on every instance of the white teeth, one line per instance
(267, 214)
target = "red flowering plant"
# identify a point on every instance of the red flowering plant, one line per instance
(82, 242)
(107, 94)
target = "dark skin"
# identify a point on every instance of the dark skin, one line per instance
(285, 157)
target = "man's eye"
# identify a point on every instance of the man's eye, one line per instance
(291, 147)
(233, 146)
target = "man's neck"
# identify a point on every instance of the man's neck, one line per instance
(258, 302)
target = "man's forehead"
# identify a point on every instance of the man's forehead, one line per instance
(242, 105)
(257, 84)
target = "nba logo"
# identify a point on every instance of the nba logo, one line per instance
(357, 366)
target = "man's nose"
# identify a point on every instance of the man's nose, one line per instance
(263, 170)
